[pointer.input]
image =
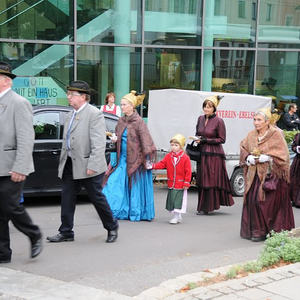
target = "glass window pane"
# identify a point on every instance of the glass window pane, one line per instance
(116, 21)
(230, 22)
(109, 69)
(279, 24)
(232, 71)
(43, 70)
(172, 68)
(41, 20)
(173, 22)
(46, 126)
(278, 75)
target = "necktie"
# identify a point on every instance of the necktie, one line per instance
(69, 131)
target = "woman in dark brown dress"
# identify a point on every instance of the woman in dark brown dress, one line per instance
(213, 183)
(264, 151)
(295, 173)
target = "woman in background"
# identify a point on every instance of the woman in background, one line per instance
(110, 106)
(295, 173)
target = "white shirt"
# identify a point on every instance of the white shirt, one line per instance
(4, 92)
(118, 110)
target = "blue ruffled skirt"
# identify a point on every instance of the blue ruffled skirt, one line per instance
(135, 203)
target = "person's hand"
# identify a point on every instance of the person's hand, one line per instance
(264, 158)
(250, 160)
(90, 172)
(113, 137)
(298, 149)
(149, 165)
(17, 177)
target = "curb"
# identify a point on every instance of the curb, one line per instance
(168, 289)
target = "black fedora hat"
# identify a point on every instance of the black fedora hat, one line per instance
(79, 86)
(5, 69)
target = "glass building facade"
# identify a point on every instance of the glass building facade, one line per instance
(239, 46)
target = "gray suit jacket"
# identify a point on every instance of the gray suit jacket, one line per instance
(87, 141)
(16, 135)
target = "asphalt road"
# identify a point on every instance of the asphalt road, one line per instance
(145, 254)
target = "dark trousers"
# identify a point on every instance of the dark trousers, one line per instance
(12, 210)
(93, 186)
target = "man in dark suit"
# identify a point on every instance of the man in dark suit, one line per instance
(290, 121)
(83, 163)
(16, 162)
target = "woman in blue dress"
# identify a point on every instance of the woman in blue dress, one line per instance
(129, 188)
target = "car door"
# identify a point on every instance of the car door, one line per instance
(46, 152)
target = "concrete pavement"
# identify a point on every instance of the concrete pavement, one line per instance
(275, 284)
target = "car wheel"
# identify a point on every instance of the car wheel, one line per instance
(237, 182)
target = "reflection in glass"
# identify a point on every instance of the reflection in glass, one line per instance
(43, 70)
(109, 69)
(41, 20)
(279, 24)
(230, 23)
(232, 71)
(173, 22)
(278, 75)
(109, 21)
(171, 68)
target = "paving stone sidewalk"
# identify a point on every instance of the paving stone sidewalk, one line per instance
(276, 284)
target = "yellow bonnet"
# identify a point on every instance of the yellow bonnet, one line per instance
(266, 111)
(215, 100)
(134, 99)
(179, 138)
(275, 116)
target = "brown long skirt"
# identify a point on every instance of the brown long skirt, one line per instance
(260, 217)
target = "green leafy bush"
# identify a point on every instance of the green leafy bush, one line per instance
(290, 135)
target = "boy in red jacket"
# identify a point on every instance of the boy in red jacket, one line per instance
(179, 175)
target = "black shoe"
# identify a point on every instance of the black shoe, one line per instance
(36, 247)
(112, 236)
(5, 260)
(258, 238)
(60, 238)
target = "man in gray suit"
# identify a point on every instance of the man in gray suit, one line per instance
(82, 163)
(16, 162)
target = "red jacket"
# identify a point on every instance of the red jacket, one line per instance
(179, 174)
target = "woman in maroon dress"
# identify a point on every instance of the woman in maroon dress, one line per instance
(212, 180)
(295, 173)
(264, 151)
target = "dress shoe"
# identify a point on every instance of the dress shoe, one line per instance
(5, 260)
(112, 236)
(60, 238)
(258, 238)
(36, 247)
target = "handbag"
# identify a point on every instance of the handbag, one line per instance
(270, 183)
(193, 151)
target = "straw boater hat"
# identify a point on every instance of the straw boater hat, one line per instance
(79, 86)
(215, 100)
(134, 98)
(5, 69)
(179, 138)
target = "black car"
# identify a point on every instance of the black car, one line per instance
(48, 123)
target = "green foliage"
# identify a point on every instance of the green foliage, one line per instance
(290, 135)
(192, 285)
(280, 246)
(253, 267)
(233, 271)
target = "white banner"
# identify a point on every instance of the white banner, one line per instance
(174, 111)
